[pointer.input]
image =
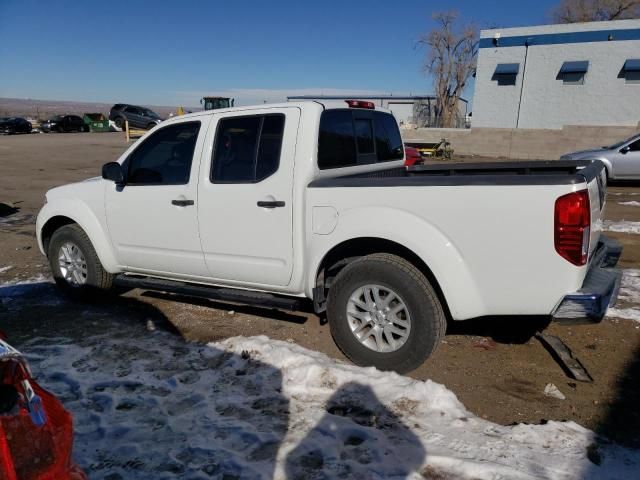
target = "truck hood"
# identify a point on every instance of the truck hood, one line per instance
(70, 190)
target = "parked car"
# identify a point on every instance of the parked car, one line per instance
(138, 117)
(274, 203)
(622, 160)
(412, 156)
(64, 123)
(11, 125)
(36, 432)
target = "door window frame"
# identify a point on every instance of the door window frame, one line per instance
(126, 162)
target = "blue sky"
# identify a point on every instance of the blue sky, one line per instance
(172, 52)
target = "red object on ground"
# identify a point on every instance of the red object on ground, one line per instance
(411, 156)
(29, 451)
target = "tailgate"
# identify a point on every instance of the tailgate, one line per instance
(597, 187)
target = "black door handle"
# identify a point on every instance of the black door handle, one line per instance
(182, 203)
(271, 204)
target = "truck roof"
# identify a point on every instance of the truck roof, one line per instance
(325, 104)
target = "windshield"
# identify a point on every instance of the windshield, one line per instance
(615, 146)
(57, 118)
(149, 113)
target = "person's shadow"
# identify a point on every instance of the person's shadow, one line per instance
(358, 437)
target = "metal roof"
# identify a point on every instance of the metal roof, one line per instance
(365, 97)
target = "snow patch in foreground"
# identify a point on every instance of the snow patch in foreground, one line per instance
(151, 406)
(621, 226)
(632, 203)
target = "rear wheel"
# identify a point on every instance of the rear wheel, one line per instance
(75, 264)
(120, 122)
(383, 312)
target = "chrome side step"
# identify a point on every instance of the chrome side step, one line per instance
(244, 297)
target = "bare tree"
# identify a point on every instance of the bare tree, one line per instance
(574, 11)
(451, 60)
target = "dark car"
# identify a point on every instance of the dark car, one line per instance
(10, 125)
(138, 117)
(64, 123)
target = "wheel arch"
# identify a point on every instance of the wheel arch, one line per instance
(68, 212)
(345, 252)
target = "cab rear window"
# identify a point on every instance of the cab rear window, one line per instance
(351, 137)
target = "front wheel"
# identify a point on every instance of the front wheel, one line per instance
(75, 264)
(383, 312)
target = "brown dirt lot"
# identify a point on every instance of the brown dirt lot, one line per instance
(494, 365)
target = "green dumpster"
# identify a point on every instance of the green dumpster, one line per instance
(97, 122)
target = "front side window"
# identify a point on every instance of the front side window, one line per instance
(634, 146)
(247, 149)
(165, 157)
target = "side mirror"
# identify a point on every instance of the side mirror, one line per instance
(625, 149)
(113, 171)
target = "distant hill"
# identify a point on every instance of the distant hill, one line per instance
(43, 109)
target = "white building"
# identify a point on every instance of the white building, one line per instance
(555, 75)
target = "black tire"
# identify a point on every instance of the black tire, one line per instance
(60, 129)
(98, 280)
(120, 122)
(428, 321)
(85, 129)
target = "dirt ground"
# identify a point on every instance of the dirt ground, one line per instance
(495, 366)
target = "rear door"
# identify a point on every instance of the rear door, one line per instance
(245, 209)
(152, 219)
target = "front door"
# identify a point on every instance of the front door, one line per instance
(153, 219)
(245, 209)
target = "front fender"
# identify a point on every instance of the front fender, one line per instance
(81, 214)
(422, 238)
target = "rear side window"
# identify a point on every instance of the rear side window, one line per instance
(247, 149)
(356, 137)
(165, 157)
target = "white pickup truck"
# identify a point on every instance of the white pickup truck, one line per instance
(276, 203)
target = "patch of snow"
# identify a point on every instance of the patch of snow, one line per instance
(632, 203)
(622, 226)
(147, 405)
(629, 294)
(6, 269)
(617, 194)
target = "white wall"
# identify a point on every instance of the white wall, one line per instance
(604, 99)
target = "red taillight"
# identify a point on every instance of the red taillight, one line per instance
(411, 156)
(360, 104)
(572, 227)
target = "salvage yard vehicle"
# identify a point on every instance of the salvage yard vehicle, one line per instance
(622, 159)
(11, 125)
(275, 204)
(64, 124)
(36, 434)
(138, 117)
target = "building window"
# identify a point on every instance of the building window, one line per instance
(631, 71)
(506, 73)
(573, 73)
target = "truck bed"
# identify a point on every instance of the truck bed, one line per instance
(553, 172)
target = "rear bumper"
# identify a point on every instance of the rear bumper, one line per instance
(599, 290)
